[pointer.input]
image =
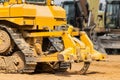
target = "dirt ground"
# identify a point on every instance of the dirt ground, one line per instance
(109, 70)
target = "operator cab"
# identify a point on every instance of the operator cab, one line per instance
(70, 11)
(112, 14)
(74, 13)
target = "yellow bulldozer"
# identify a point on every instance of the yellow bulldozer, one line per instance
(35, 36)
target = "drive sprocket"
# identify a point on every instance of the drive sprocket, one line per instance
(19, 61)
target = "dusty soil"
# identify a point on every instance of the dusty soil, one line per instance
(109, 70)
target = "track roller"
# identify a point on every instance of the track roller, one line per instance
(19, 61)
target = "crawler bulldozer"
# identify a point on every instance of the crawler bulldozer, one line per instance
(35, 36)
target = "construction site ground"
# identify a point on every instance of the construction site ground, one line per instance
(106, 70)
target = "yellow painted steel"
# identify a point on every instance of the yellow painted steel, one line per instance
(28, 14)
(42, 21)
(73, 46)
(50, 34)
(46, 34)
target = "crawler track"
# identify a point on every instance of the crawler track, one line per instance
(8, 61)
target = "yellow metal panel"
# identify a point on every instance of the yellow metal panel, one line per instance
(12, 2)
(55, 34)
(29, 10)
(46, 34)
(43, 11)
(58, 12)
(77, 33)
(45, 22)
(20, 21)
(79, 43)
(14, 20)
(48, 58)
(85, 39)
(22, 10)
(29, 21)
(4, 11)
(45, 16)
(16, 10)
(60, 21)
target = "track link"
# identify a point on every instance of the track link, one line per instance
(30, 60)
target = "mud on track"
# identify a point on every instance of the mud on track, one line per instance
(109, 70)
